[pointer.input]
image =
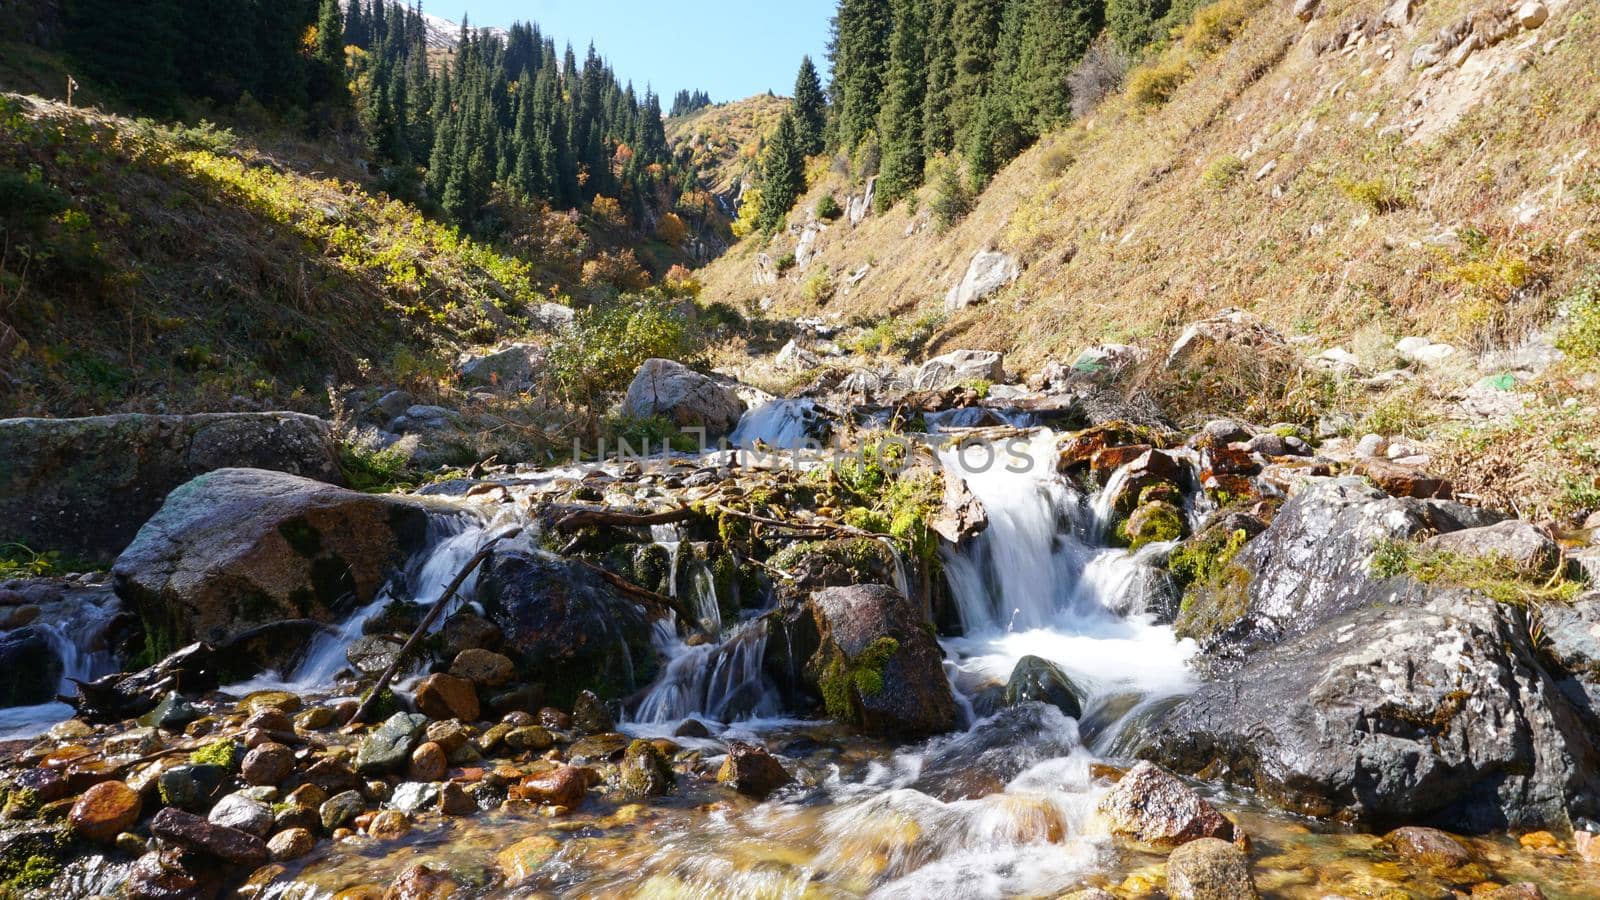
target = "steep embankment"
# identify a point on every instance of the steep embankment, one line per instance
(1377, 172)
(182, 268)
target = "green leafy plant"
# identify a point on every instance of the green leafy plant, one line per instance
(828, 208)
(1493, 575)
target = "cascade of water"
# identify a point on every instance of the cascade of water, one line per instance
(721, 682)
(78, 640)
(452, 540)
(1040, 581)
(780, 424)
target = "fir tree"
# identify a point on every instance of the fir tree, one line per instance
(810, 109)
(1055, 34)
(900, 125)
(783, 174)
(938, 127)
(860, 52)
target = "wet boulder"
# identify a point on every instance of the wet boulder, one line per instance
(238, 549)
(1036, 678)
(1209, 869)
(85, 486)
(1150, 805)
(32, 666)
(644, 771)
(685, 397)
(219, 842)
(751, 770)
(565, 625)
(878, 665)
(1426, 707)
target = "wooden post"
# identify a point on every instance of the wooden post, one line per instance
(72, 85)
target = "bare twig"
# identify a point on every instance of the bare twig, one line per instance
(365, 709)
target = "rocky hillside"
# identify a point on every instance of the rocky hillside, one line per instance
(1404, 191)
(724, 142)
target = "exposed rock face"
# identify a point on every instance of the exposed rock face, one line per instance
(860, 207)
(989, 271)
(1431, 709)
(240, 548)
(879, 666)
(961, 367)
(687, 398)
(85, 486)
(508, 367)
(1152, 806)
(566, 625)
(1310, 565)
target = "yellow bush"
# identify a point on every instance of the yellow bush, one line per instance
(1154, 84)
(1215, 26)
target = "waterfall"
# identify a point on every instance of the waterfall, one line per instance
(721, 682)
(780, 425)
(1041, 582)
(77, 640)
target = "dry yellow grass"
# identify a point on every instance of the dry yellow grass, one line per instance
(1357, 210)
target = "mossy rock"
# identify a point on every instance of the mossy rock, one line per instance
(645, 772)
(1152, 523)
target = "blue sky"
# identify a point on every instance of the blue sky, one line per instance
(729, 49)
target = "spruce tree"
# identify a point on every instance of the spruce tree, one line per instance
(810, 109)
(938, 128)
(1135, 24)
(860, 52)
(900, 125)
(1054, 36)
(783, 174)
(330, 36)
(975, 31)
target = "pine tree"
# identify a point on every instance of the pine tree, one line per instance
(938, 128)
(810, 109)
(975, 32)
(783, 174)
(900, 125)
(1055, 35)
(330, 36)
(1135, 24)
(862, 31)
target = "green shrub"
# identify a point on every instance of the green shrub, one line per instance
(818, 289)
(828, 208)
(606, 343)
(648, 435)
(374, 469)
(785, 263)
(1580, 336)
(1223, 171)
(1380, 195)
(1493, 575)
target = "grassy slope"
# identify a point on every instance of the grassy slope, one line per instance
(178, 270)
(726, 138)
(1131, 238)
(1138, 220)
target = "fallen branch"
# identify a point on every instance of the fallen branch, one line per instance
(820, 527)
(365, 709)
(584, 517)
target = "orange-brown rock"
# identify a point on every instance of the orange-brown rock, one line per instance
(105, 811)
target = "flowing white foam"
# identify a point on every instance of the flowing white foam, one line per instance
(779, 424)
(78, 639)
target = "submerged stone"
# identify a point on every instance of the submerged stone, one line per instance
(1035, 678)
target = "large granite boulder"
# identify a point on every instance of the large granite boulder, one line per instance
(1435, 709)
(240, 548)
(508, 367)
(960, 367)
(1311, 565)
(84, 486)
(685, 397)
(566, 625)
(878, 665)
(989, 271)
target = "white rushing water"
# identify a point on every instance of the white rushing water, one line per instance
(452, 540)
(779, 424)
(1041, 582)
(77, 638)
